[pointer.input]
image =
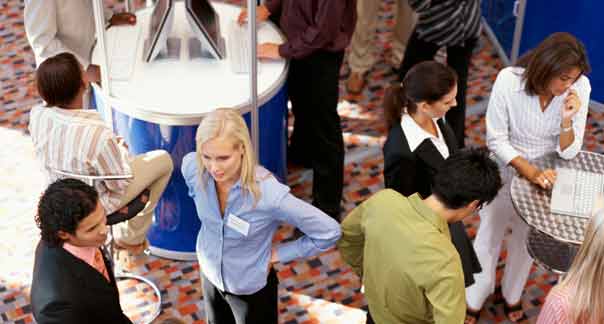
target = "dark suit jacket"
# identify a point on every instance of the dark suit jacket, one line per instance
(67, 290)
(409, 172)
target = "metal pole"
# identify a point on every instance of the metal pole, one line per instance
(99, 21)
(519, 11)
(251, 6)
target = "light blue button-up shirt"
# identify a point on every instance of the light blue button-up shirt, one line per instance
(238, 263)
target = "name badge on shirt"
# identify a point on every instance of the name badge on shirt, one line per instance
(238, 224)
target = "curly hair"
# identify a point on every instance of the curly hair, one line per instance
(61, 208)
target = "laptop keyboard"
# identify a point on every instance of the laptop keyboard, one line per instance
(588, 185)
(575, 191)
(122, 51)
(238, 48)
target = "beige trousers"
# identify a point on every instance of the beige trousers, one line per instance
(150, 170)
(362, 48)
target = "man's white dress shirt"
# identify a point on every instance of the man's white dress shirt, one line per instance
(56, 26)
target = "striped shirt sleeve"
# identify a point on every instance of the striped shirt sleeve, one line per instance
(583, 88)
(498, 121)
(419, 5)
(447, 22)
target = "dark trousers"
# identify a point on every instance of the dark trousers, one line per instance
(317, 136)
(369, 319)
(458, 58)
(226, 308)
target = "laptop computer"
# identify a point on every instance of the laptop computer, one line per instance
(575, 192)
(205, 23)
(160, 26)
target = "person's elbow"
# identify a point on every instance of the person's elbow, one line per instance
(495, 142)
(334, 233)
(337, 235)
(569, 153)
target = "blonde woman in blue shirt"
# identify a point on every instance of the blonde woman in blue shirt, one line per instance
(240, 205)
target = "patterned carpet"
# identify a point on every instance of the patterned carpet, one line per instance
(316, 290)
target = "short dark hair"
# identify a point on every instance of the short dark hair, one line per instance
(427, 81)
(62, 206)
(59, 79)
(467, 175)
(556, 54)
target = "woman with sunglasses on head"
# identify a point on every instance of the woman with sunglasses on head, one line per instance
(241, 205)
(420, 140)
(538, 106)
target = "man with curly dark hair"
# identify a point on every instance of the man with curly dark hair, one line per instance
(72, 279)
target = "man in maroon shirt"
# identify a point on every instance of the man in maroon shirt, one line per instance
(318, 32)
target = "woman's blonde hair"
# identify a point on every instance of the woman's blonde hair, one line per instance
(227, 123)
(585, 278)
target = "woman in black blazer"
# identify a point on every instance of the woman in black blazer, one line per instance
(419, 141)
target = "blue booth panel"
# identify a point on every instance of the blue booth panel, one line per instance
(581, 18)
(175, 224)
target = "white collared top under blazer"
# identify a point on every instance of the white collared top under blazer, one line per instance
(415, 135)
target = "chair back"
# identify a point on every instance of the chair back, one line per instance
(88, 179)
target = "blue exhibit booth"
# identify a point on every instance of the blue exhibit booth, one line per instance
(518, 26)
(161, 104)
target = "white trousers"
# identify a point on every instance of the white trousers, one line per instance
(495, 219)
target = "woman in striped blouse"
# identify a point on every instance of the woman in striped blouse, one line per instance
(583, 284)
(537, 107)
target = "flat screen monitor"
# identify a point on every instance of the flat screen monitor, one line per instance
(159, 28)
(206, 26)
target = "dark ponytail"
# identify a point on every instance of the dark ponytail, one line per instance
(394, 102)
(427, 81)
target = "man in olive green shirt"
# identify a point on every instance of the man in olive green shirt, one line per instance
(401, 246)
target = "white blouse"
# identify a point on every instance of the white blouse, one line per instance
(416, 135)
(516, 125)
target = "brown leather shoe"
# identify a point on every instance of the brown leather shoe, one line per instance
(355, 83)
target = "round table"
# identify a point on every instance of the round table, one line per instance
(533, 203)
(551, 254)
(161, 104)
